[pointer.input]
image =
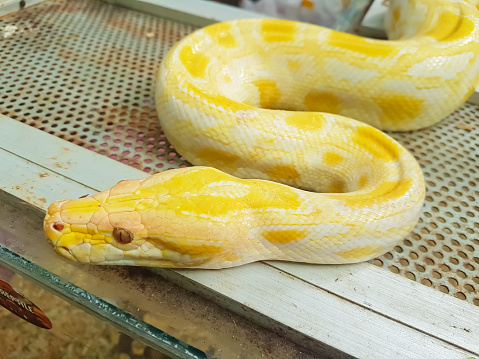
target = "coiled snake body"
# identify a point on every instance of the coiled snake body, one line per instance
(273, 100)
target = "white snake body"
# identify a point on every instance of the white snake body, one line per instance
(273, 100)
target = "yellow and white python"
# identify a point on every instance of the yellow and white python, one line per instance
(274, 101)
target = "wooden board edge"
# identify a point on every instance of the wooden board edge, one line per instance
(193, 12)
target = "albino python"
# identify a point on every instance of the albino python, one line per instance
(275, 100)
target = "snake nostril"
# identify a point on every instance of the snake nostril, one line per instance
(58, 227)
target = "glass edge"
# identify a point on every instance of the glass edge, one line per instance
(153, 336)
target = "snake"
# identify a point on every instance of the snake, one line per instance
(283, 123)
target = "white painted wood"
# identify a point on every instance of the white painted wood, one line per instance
(373, 22)
(62, 156)
(35, 185)
(195, 12)
(317, 313)
(474, 99)
(11, 6)
(301, 302)
(408, 302)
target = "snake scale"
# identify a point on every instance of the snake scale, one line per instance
(283, 121)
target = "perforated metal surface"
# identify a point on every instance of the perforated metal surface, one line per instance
(443, 250)
(84, 71)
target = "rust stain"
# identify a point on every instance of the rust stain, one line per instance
(30, 199)
(28, 204)
(67, 8)
(64, 165)
(168, 36)
(43, 175)
(465, 126)
(104, 57)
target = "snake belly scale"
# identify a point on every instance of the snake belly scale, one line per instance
(278, 117)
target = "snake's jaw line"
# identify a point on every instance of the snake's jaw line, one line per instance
(65, 252)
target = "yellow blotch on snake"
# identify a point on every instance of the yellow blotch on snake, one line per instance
(336, 187)
(222, 35)
(305, 121)
(284, 172)
(332, 159)
(373, 141)
(79, 228)
(361, 45)
(284, 236)
(451, 27)
(394, 110)
(322, 102)
(230, 257)
(194, 62)
(277, 31)
(215, 157)
(396, 14)
(385, 191)
(269, 92)
(360, 252)
(186, 247)
(363, 181)
(214, 98)
(260, 195)
(294, 65)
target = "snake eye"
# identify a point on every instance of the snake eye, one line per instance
(122, 235)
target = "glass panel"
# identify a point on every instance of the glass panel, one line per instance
(139, 301)
(74, 334)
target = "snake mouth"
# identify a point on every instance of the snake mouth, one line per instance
(64, 251)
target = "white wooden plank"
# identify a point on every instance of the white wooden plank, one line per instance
(474, 99)
(194, 12)
(35, 185)
(404, 300)
(10, 6)
(373, 22)
(316, 313)
(62, 156)
(78, 161)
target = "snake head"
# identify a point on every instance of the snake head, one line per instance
(136, 222)
(89, 230)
